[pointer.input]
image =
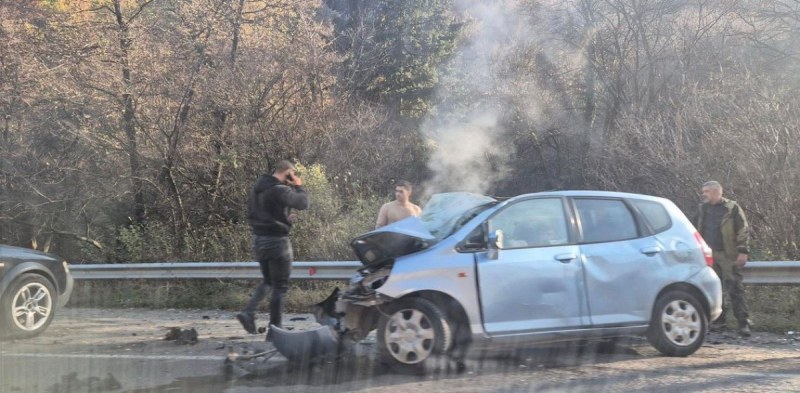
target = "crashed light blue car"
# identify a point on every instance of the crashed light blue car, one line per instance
(475, 272)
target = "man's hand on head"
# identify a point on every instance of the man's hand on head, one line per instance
(294, 180)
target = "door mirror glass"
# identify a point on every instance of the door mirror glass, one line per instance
(495, 243)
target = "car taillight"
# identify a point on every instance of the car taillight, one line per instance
(705, 249)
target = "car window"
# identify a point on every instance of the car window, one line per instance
(605, 220)
(654, 213)
(476, 240)
(532, 223)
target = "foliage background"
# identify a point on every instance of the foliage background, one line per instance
(132, 130)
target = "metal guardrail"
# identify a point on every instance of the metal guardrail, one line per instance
(772, 273)
(321, 270)
(755, 272)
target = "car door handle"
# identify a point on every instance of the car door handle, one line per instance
(650, 251)
(566, 258)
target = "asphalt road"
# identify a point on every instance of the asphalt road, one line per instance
(92, 350)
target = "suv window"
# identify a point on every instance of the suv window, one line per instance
(605, 220)
(532, 223)
(654, 213)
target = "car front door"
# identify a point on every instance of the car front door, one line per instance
(536, 281)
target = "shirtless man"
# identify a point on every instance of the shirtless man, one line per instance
(400, 208)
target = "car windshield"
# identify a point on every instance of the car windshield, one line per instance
(445, 213)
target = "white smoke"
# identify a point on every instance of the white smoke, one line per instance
(470, 148)
(463, 152)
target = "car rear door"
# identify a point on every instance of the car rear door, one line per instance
(621, 261)
(536, 282)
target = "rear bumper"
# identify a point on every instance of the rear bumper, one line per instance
(711, 286)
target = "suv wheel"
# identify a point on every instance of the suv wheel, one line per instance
(679, 324)
(26, 308)
(412, 333)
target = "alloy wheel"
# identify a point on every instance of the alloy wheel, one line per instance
(31, 306)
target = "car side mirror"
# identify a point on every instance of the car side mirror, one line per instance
(495, 243)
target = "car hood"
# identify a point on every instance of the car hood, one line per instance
(442, 215)
(11, 253)
(384, 244)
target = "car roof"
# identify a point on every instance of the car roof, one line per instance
(591, 193)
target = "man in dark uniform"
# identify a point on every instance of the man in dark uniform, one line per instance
(723, 225)
(270, 202)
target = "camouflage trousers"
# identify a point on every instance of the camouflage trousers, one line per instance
(732, 288)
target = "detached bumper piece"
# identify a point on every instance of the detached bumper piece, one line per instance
(309, 346)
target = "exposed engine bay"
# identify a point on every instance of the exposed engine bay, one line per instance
(352, 310)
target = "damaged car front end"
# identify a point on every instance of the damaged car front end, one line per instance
(350, 315)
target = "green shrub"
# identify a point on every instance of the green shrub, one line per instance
(322, 232)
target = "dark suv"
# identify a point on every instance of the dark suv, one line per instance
(32, 285)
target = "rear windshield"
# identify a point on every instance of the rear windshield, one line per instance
(654, 213)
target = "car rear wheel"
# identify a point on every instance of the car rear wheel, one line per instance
(27, 307)
(679, 324)
(412, 334)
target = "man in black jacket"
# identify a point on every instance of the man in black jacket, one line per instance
(271, 201)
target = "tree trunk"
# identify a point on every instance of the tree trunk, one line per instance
(129, 116)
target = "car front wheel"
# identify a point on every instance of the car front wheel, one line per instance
(412, 333)
(27, 307)
(679, 324)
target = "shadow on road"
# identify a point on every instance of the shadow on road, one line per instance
(360, 369)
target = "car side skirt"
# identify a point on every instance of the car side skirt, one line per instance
(522, 338)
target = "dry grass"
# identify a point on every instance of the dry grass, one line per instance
(224, 295)
(773, 308)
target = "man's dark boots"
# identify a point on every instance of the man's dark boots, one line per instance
(744, 328)
(718, 326)
(248, 321)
